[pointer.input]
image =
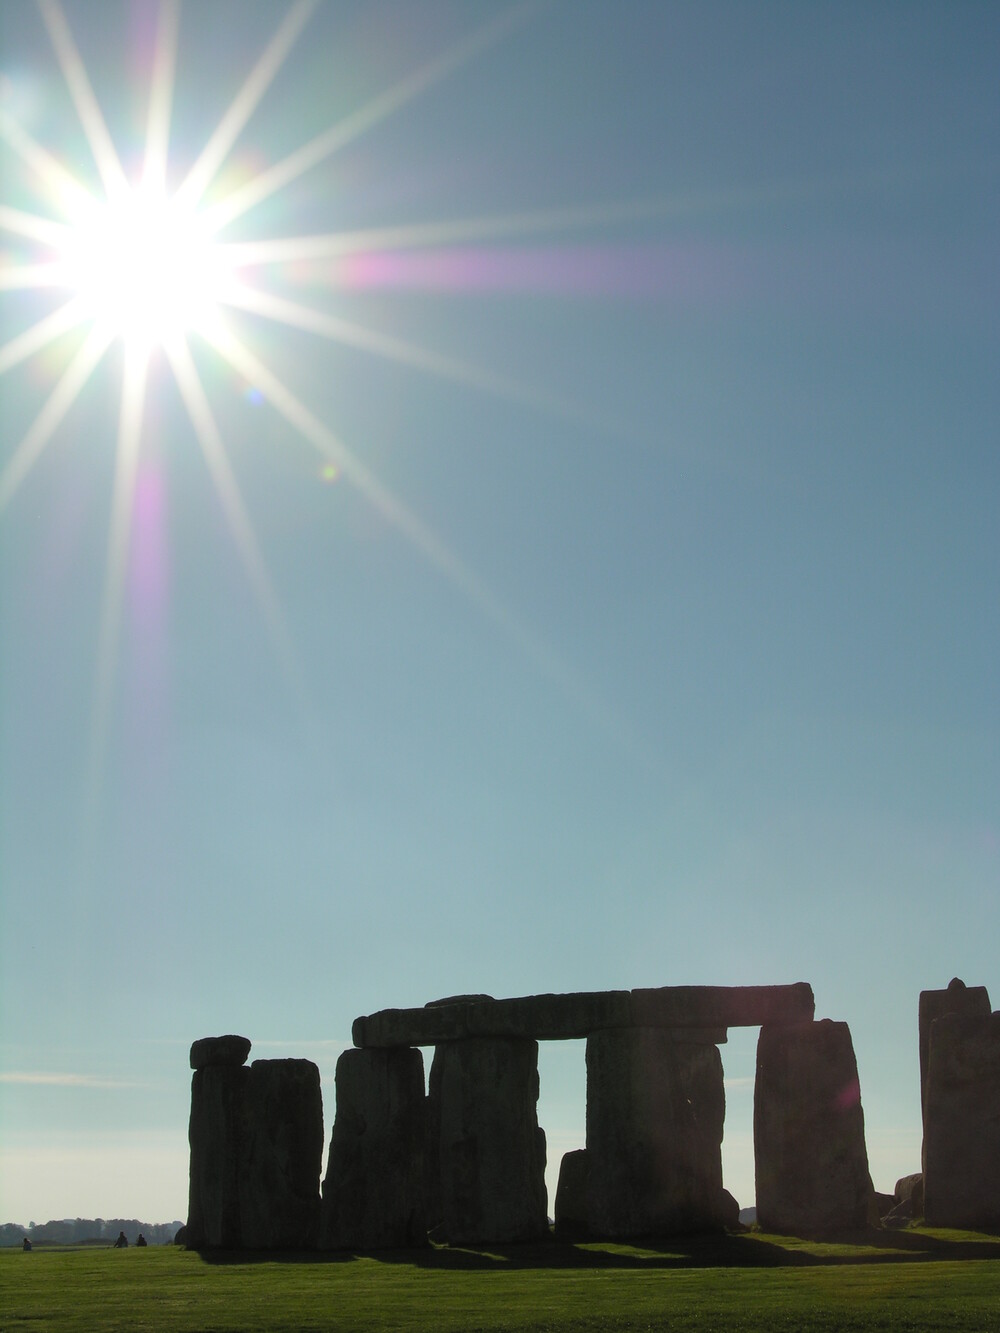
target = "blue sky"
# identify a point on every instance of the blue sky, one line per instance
(647, 632)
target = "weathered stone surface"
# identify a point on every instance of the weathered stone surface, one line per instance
(884, 1203)
(730, 1212)
(281, 1155)
(956, 998)
(962, 1122)
(228, 1050)
(565, 1017)
(655, 1112)
(910, 1189)
(571, 1195)
(490, 1150)
(373, 1194)
(215, 1133)
(722, 1006)
(809, 1131)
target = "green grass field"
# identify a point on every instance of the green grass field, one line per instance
(917, 1280)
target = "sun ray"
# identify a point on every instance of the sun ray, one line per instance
(26, 344)
(358, 122)
(32, 277)
(247, 254)
(119, 534)
(210, 439)
(64, 188)
(244, 297)
(161, 96)
(59, 402)
(35, 228)
(96, 131)
(244, 104)
(437, 553)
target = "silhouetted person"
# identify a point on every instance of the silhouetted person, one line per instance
(26, 1244)
(122, 1242)
(140, 1239)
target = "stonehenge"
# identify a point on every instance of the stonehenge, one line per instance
(811, 1163)
(256, 1138)
(464, 1162)
(961, 1086)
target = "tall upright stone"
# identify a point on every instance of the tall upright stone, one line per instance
(962, 1122)
(281, 1156)
(570, 1212)
(491, 1151)
(655, 1112)
(215, 1135)
(809, 1132)
(955, 998)
(373, 1194)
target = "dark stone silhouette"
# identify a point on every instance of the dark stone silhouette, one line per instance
(809, 1132)
(962, 1122)
(281, 1155)
(570, 1212)
(229, 1050)
(655, 1111)
(256, 1138)
(490, 1149)
(373, 1194)
(561, 1017)
(215, 1133)
(956, 998)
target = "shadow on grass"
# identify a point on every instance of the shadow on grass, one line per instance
(747, 1250)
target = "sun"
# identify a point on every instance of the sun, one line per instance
(144, 268)
(152, 270)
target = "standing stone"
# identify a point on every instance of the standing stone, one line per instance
(809, 1131)
(655, 1112)
(228, 1050)
(373, 1195)
(491, 1158)
(571, 1195)
(215, 1133)
(281, 1155)
(962, 1122)
(956, 998)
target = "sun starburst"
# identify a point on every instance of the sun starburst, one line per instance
(151, 269)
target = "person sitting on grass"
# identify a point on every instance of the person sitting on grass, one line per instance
(26, 1245)
(122, 1242)
(140, 1239)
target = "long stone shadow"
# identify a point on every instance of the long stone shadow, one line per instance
(676, 1252)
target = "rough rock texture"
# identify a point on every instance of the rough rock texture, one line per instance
(490, 1151)
(281, 1155)
(956, 998)
(962, 1122)
(571, 1195)
(809, 1131)
(559, 1017)
(910, 1189)
(655, 1112)
(373, 1194)
(228, 1050)
(215, 1133)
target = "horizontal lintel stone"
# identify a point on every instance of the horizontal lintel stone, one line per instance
(577, 1015)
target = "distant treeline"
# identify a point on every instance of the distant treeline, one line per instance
(80, 1230)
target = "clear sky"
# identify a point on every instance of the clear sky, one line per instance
(575, 569)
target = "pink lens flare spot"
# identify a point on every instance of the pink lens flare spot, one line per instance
(849, 1096)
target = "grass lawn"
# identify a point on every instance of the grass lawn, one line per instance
(918, 1280)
